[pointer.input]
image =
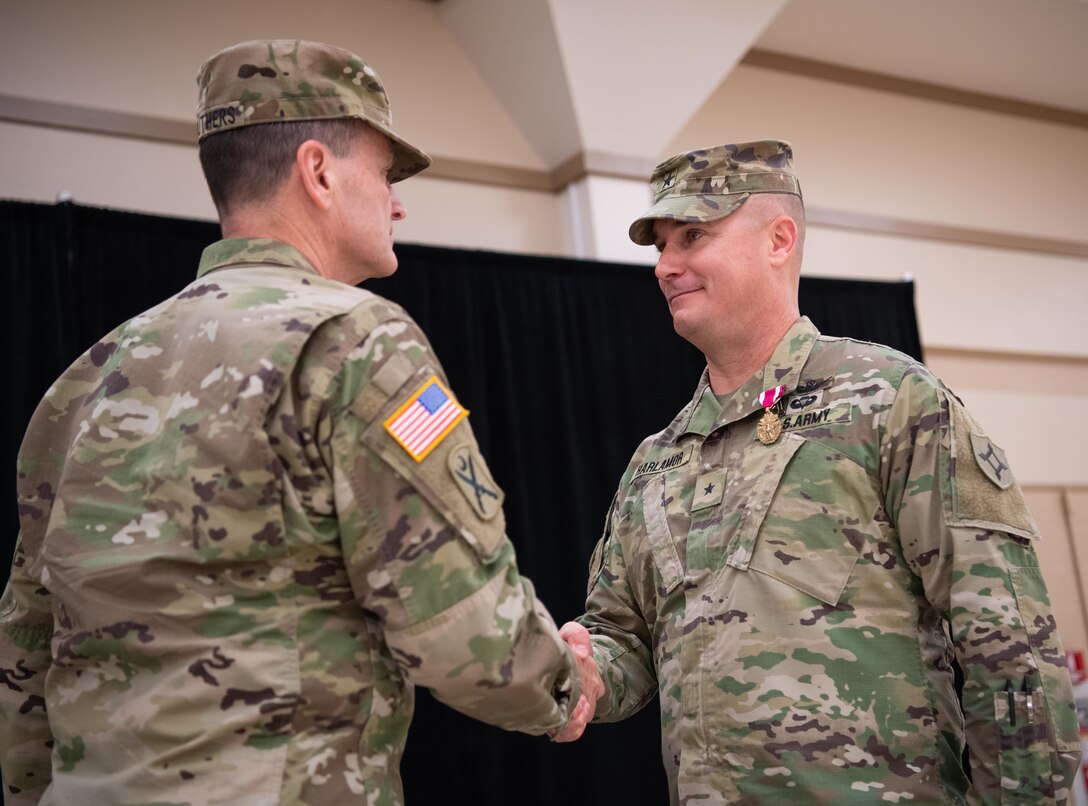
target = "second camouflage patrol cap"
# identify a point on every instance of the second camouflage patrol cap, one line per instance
(711, 183)
(276, 80)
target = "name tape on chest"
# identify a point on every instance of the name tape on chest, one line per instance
(670, 462)
(832, 415)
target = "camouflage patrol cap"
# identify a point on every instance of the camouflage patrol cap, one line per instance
(711, 183)
(274, 80)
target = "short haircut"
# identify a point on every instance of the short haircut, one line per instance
(772, 205)
(248, 164)
(794, 207)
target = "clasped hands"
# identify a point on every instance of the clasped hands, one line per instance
(577, 638)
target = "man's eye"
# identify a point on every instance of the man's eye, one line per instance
(691, 235)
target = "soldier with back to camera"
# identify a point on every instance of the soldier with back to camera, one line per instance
(254, 516)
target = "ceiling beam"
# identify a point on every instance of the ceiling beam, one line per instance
(918, 89)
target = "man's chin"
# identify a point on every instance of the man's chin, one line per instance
(382, 268)
(688, 326)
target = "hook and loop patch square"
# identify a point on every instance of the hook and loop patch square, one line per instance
(709, 489)
(424, 420)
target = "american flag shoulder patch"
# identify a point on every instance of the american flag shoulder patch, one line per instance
(425, 419)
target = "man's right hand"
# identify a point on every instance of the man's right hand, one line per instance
(577, 638)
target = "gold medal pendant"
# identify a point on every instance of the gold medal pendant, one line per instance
(769, 427)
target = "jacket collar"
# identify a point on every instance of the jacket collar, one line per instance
(707, 412)
(235, 252)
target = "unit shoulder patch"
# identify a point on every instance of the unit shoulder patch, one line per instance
(991, 460)
(471, 475)
(983, 490)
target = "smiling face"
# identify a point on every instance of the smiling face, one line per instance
(732, 282)
(712, 275)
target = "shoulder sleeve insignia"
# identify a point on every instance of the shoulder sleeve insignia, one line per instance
(978, 486)
(991, 461)
(424, 420)
(475, 483)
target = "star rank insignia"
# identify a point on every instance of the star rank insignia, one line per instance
(709, 488)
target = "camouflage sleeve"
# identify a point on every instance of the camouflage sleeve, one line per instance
(966, 531)
(621, 638)
(424, 539)
(26, 629)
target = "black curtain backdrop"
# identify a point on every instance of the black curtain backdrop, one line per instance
(565, 366)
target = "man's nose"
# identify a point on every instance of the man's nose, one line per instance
(667, 264)
(400, 212)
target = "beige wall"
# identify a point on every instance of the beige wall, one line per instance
(38, 163)
(474, 216)
(139, 57)
(892, 155)
(1002, 326)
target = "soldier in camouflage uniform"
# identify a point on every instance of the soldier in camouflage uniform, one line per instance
(254, 516)
(795, 562)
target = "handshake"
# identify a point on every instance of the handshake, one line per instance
(577, 638)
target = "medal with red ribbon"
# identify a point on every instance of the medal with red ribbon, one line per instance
(769, 427)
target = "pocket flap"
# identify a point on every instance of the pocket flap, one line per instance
(767, 463)
(808, 534)
(657, 530)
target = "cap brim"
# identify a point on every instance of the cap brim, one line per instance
(697, 207)
(407, 159)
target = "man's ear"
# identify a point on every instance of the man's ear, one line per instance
(316, 170)
(782, 240)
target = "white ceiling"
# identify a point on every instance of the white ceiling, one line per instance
(618, 76)
(1030, 50)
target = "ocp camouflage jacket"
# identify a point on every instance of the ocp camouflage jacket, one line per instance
(798, 605)
(233, 566)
